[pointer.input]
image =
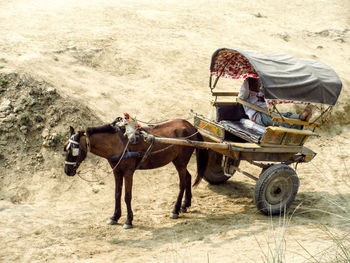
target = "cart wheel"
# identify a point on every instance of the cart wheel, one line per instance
(214, 173)
(276, 189)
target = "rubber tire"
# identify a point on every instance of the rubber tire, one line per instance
(214, 173)
(276, 189)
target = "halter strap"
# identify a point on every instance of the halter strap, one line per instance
(74, 142)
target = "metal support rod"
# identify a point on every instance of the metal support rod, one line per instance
(274, 106)
(245, 173)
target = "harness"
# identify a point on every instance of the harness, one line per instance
(127, 153)
(114, 158)
(75, 151)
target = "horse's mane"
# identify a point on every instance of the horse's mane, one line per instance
(107, 128)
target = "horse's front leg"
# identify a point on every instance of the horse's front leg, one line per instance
(128, 196)
(118, 192)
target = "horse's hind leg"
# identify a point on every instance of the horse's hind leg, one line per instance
(182, 177)
(188, 193)
(128, 196)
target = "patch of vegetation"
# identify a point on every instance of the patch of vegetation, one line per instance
(3, 82)
(58, 139)
(38, 118)
(36, 93)
(25, 120)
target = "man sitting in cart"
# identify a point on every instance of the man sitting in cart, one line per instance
(251, 91)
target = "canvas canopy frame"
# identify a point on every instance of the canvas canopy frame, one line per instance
(285, 78)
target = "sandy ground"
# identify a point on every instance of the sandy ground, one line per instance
(151, 59)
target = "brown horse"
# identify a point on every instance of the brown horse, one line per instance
(108, 141)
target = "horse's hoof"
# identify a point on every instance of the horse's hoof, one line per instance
(127, 226)
(183, 209)
(174, 216)
(111, 222)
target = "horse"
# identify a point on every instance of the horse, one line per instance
(110, 141)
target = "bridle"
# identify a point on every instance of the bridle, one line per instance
(75, 146)
(76, 151)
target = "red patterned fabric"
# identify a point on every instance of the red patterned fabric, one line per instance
(231, 64)
(276, 102)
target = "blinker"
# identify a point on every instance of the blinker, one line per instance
(75, 151)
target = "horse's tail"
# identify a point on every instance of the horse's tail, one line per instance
(202, 161)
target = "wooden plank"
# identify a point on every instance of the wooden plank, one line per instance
(209, 137)
(231, 146)
(266, 157)
(252, 147)
(184, 142)
(224, 93)
(309, 154)
(294, 121)
(291, 130)
(254, 152)
(222, 102)
(210, 127)
(257, 108)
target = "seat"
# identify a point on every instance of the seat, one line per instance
(245, 129)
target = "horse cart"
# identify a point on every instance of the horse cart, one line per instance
(231, 137)
(225, 140)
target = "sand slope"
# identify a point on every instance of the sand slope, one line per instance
(151, 59)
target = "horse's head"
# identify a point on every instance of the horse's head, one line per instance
(76, 153)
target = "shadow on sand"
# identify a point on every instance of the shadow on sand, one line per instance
(316, 208)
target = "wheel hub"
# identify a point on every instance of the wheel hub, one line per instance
(278, 190)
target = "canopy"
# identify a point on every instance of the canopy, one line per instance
(284, 77)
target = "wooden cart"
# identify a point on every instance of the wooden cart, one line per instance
(230, 142)
(231, 137)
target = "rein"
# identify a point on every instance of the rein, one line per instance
(147, 153)
(91, 181)
(126, 153)
(121, 158)
(87, 150)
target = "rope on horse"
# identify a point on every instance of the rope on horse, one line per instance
(121, 157)
(147, 153)
(156, 123)
(99, 180)
(119, 119)
(92, 181)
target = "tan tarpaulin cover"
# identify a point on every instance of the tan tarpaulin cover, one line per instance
(284, 77)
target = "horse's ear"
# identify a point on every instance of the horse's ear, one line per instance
(71, 130)
(81, 133)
